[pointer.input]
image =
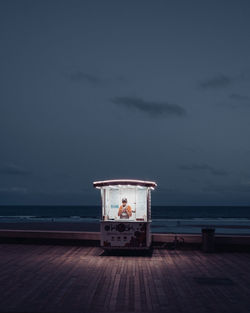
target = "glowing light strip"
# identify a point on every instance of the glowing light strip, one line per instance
(126, 181)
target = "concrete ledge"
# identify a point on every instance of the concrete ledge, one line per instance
(188, 241)
(45, 234)
(232, 239)
(50, 237)
(93, 238)
(187, 238)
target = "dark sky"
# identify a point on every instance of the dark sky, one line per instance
(155, 90)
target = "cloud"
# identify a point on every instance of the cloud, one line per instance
(150, 108)
(204, 167)
(14, 170)
(13, 190)
(216, 82)
(221, 81)
(238, 97)
(80, 76)
(94, 80)
(227, 189)
(236, 101)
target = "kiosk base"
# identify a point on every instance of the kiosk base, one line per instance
(125, 235)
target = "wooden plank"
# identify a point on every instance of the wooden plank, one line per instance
(74, 279)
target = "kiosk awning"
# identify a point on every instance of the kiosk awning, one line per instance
(133, 182)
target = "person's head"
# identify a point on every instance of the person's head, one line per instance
(124, 201)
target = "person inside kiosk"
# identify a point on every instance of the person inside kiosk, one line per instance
(125, 210)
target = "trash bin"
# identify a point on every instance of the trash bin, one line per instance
(208, 239)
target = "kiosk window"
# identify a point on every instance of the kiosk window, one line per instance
(135, 207)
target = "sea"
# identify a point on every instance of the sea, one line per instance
(165, 219)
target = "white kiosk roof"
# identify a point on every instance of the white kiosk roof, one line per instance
(133, 182)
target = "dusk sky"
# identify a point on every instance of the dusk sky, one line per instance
(154, 90)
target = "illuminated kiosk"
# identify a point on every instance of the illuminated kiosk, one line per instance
(126, 213)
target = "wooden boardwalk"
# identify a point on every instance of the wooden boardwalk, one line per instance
(41, 278)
